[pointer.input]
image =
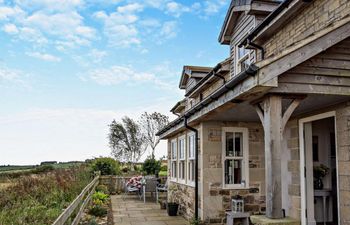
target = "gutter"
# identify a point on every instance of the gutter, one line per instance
(204, 79)
(195, 169)
(251, 71)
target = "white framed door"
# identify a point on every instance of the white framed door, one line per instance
(306, 167)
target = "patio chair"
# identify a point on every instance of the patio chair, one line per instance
(161, 188)
(130, 189)
(149, 186)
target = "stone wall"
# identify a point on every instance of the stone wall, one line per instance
(291, 176)
(184, 196)
(343, 154)
(314, 17)
(216, 199)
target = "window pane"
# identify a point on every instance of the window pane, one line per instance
(229, 144)
(192, 171)
(244, 64)
(238, 144)
(233, 171)
(237, 172)
(242, 52)
(228, 171)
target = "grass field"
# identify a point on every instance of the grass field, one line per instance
(40, 198)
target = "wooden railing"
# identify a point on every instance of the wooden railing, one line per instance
(82, 200)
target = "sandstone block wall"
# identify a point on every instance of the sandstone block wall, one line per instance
(314, 17)
(343, 154)
(216, 199)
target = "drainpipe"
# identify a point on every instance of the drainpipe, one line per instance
(249, 42)
(195, 169)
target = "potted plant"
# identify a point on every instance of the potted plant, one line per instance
(319, 173)
(162, 204)
(194, 221)
(172, 207)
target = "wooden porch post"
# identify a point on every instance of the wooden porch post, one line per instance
(274, 121)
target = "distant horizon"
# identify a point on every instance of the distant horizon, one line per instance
(68, 68)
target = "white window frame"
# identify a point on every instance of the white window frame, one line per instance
(239, 60)
(173, 160)
(244, 158)
(191, 158)
(181, 159)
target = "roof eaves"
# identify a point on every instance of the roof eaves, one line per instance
(251, 71)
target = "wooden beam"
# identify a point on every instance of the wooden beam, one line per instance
(315, 79)
(260, 112)
(274, 121)
(294, 88)
(273, 145)
(319, 71)
(288, 113)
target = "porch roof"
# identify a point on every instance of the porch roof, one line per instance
(255, 82)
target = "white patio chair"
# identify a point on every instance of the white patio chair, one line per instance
(130, 189)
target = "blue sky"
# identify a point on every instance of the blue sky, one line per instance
(68, 67)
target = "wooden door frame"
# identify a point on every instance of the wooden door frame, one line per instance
(331, 114)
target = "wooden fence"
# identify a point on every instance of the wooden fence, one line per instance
(82, 200)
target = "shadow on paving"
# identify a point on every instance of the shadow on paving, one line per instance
(132, 211)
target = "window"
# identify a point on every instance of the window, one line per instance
(191, 158)
(182, 159)
(235, 157)
(173, 168)
(242, 56)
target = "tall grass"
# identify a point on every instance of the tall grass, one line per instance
(39, 199)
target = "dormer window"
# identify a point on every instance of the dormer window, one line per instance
(242, 56)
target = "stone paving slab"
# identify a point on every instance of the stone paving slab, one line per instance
(130, 210)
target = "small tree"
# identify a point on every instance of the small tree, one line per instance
(126, 140)
(151, 166)
(151, 124)
(107, 166)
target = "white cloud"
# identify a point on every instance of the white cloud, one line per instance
(115, 75)
(44, 56)
(13, 77)
(67, 26)
(7, 74)
(97, 55)
(50, 5)
(10, 28)
(176, 9)
(32, 35)
(7, 13)
(120, 27)
(130, 8)
(168, 30)
(214, 6)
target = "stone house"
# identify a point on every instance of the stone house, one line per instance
(264, 121)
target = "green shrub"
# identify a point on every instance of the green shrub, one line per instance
(150, 166)
(44, 169)
(164, 168)
(102, 188)
(107, 166)
(100, 196)
(98, 210)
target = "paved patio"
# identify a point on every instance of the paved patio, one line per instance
(132, 211)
